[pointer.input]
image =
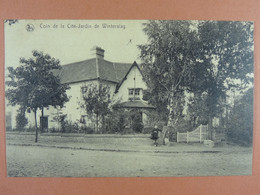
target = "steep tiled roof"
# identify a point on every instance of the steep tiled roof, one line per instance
(93, 69)
(107, 70)
(121, 69)
(78, 71)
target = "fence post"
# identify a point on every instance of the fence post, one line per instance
(177, 137)
(187, 137)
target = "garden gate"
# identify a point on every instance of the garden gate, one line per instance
(198, 135)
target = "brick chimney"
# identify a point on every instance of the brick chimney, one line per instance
(99, 52)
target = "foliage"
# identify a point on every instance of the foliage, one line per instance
(230, 45)
(168, 58)
(21, 120)
(226, 50)
(172, 136)
(205, 59)
(183, 125)
(30, 129)
(116, 121)
(199, 108)
(96, 101)
(240, 123)
(161, 112)
(137, 124)
(70, 127)
(154, 118)
(33, 85)
(60, 118)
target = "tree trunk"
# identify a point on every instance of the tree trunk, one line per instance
(170, 108)
(210, 127)
(170, 117)
(102, 124)
(36, 128)
(42, 120)
(97, 123)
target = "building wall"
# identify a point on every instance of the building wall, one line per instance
(10, 121)
(72, 107)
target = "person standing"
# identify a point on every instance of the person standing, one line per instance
(155, 135)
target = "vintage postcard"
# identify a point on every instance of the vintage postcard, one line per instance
(128, 98)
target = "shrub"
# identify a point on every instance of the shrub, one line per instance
(8, 128)
(182, 125)
(172, 132)
(60, 118)
(87, 130)
(240, 123)
(21, 120)
(69, 127)
(121, 123)
(137, 124)
(53, 130)
(155, 119)
(147, 130)
(116, 121)
(30, 129)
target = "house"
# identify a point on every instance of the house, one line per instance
(125, 81)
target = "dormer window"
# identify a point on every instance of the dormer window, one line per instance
(134, 93)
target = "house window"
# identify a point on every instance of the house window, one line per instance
(134, 94)
(131, 92)
(137, 92)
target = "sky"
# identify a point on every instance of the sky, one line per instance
(72, 40)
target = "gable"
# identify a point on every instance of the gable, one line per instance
(135, 68)
(132, 80)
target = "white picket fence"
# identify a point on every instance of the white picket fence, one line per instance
(198, 135)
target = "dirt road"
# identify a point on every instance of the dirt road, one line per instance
(36, 161)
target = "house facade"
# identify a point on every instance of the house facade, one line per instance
(124, 80)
